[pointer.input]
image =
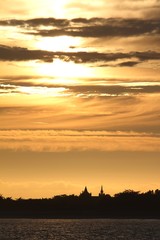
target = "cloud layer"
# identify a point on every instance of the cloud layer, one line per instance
(83, 27)
(64, 141)
(23, 54)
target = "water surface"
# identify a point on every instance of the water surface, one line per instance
(79, 229)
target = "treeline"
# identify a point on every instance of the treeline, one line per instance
(127, 204)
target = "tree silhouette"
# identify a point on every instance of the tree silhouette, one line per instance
(126, 204)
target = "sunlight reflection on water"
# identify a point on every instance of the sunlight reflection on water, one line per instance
(88, 229)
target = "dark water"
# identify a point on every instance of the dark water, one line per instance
(99, 229)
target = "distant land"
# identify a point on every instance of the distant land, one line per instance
(127, 204)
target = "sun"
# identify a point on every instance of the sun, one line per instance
(64, 70)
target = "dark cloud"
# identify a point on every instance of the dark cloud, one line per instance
(35, 22)
(123, 64)
(128, 64)
(23, 54)
(96, 28)
(114, 89)
(11, 86)
(82, 27)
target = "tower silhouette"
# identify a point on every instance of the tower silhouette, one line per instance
(101, 194)
(85, 193)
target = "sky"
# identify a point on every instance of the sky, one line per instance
(79, 96)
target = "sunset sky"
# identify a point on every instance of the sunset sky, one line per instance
(79, 96)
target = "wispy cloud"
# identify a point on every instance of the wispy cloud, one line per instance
(81, 89)
(102, 104)
(57, 141)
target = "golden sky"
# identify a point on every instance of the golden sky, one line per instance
(79, 96)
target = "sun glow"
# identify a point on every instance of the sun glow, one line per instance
(58, 8)
(56, 92)
(60, 68)
(61, 43)
(64, 70)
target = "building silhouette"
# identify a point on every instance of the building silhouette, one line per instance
(128, 204)
(102, 194)
(85, 194)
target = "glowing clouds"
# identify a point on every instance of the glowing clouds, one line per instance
(61, 43)
(62, 69)
(65, 141)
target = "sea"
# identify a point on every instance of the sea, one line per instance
(79, 229)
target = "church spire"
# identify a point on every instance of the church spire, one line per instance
(85, 193)
(101, 192)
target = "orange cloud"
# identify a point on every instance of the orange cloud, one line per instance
(63, 141)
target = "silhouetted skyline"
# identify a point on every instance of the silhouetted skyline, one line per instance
(127, 204)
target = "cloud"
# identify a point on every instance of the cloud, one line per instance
(96, 110)
(64, 141)
(84, 89)
(83, 27)
(35, 22)
(23, 54)
(128, 64)
(122, 64)
(114, 90)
